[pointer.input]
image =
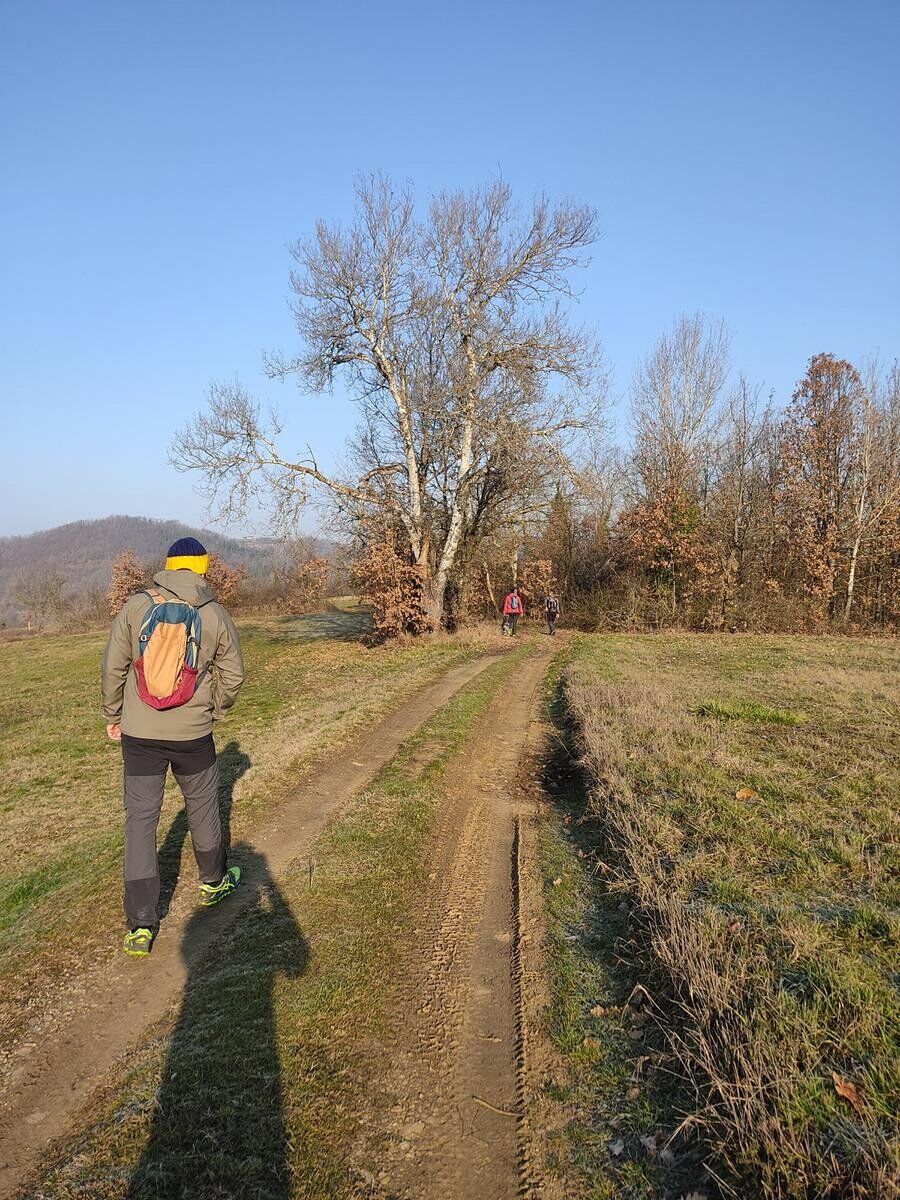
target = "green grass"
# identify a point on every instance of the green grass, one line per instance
(253, 1087)
(749, 710)
(757, 854)
(60, 789)
(23, 892)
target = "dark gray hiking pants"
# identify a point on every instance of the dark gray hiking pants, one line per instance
(196, 770)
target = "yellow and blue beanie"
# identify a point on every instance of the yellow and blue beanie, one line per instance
(187, 554)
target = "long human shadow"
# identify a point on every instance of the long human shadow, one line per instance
(233, 762)
(218, 1125)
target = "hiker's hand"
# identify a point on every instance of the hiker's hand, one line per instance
(114, 732)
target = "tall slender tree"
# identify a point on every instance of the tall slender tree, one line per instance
(820, 451)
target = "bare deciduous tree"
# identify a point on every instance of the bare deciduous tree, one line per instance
(736, 505)
(875, 480)
(450, 331)
(41, 593)
(675, 408)
(674, 402)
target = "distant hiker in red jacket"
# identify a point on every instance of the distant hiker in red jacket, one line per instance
(513, 608)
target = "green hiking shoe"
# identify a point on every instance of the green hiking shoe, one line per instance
(212, 893)
(138, 942)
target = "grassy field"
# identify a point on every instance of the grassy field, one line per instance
(734, 852)
(61, 817)
(720, 874)
(274, 1029)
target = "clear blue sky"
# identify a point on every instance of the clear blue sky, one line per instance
(159, 157)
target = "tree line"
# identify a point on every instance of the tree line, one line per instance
(481, 457)
(729, 514)
(477, 461)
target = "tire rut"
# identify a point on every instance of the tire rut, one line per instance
(444, 1119)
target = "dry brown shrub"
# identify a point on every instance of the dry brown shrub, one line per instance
(227, 582)
(394, 587)
(536, 579)
(305, 584)
(129, 575)
(664, 537)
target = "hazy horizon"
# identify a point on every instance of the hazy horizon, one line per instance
(163, 520)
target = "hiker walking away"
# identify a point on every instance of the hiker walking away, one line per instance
(172, 666)
(551, 611)
(512, 610)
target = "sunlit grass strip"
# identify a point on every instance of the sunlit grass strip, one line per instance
(749, 710)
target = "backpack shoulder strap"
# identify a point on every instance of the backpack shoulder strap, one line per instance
(158, 598)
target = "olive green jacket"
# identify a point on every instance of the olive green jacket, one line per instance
(220, 666)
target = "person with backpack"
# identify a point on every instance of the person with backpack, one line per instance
(172, 667)
(551, 611)
(512, 610)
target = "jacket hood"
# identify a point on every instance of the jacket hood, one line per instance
(186, 585)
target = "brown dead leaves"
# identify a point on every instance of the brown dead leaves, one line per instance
(395, 588)
(847, 1091)
(747, 793)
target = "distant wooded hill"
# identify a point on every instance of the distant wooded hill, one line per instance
(83, 551)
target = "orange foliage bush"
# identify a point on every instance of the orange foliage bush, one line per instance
(536, 579)
(129, 575)
(226, 582)
(663, 538)
(394, 587)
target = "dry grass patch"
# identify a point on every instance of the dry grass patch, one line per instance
(745, 798)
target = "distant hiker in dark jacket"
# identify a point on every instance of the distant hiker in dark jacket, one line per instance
(172, 666)
(551, 611)
(513, 608)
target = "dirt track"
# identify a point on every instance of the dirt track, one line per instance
(55, 1076)
(445, 1120)
(448, 1116)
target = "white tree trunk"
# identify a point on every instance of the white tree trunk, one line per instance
(460, 505)
(851, 578)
